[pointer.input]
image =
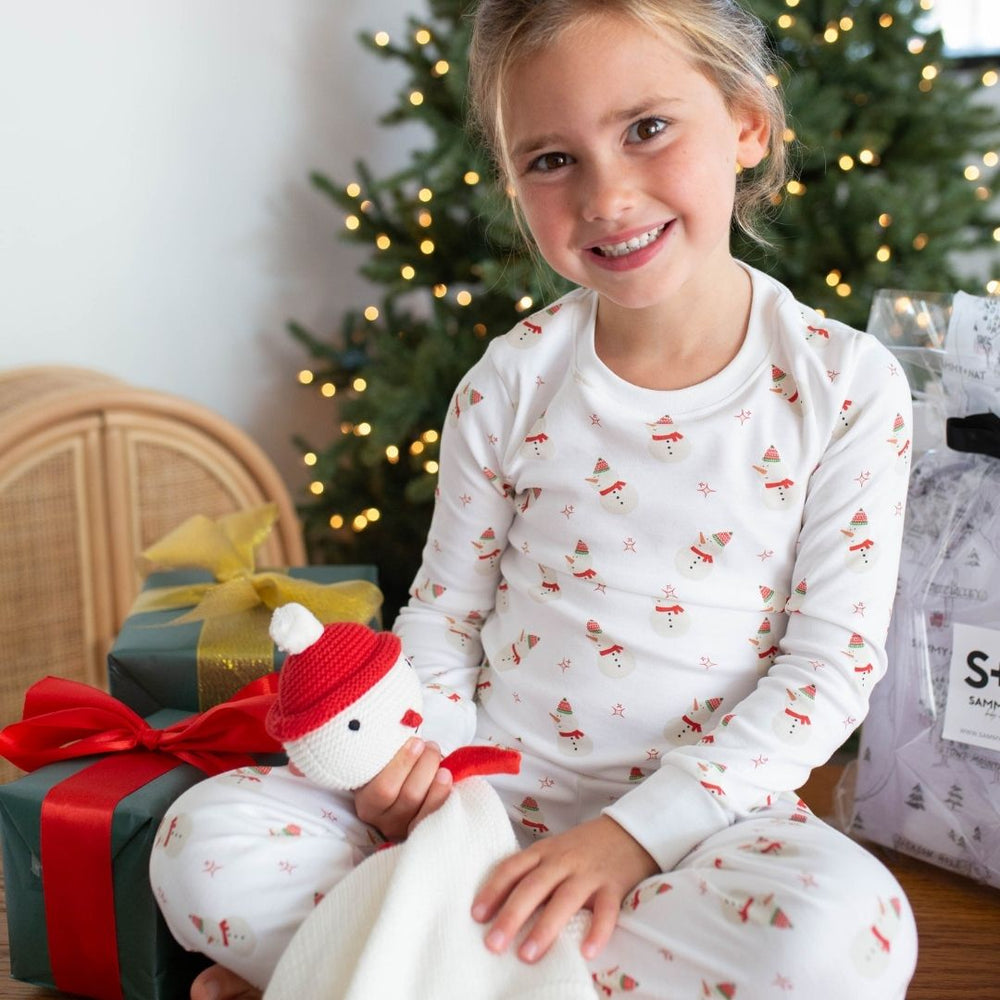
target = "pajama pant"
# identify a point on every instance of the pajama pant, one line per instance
(776, 905)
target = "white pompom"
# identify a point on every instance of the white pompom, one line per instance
(294, 628)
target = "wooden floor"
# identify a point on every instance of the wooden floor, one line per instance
(958, 922)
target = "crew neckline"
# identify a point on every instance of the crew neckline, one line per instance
(713, 390)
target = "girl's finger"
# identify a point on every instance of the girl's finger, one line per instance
(504, 877)
(564, 903)
(440, 790)
(531, 892)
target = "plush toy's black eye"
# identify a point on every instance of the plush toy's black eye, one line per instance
(354, 725)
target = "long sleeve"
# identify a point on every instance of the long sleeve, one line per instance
(816, 690)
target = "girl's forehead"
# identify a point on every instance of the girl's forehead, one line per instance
(598, 67)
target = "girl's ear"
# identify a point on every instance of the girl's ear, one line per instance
(753, 138)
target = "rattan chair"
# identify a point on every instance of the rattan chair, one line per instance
(93, 470)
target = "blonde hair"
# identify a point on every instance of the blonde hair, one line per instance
(725, 42)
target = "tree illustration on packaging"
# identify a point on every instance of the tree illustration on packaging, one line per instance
(954, 799)
(916, 797)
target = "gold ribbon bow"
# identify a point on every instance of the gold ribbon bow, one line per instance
(234, 646)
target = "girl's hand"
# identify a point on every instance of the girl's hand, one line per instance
(411, 786)
(592, 866)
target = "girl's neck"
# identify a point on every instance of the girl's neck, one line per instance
(678, 343)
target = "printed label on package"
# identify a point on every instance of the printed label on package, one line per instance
(972, 710)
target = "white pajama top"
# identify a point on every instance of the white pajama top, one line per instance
(681, 596)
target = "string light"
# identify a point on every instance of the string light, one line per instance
(441, 67)
(885, 220)
(371, 314)
(336, 521)
(408, 272)
(305, 377)
(416, 98)
(786, 21)
(915, 46)
(471, 178)
(417, 448)
(392, 454)
(359, 523)
(796, 188)
(920, 241)
(328, 389)
(431, 467)
(353, 189)
(359, 384)
(524, 303)
(316, 488)
(833, 279)
(993, 287)
(427, 247)
(885, 21)
(383, 242)
(425, 219)
(464, 298)
(422, 36)
(382, 39)
(972, 172)
(429, 437)
(883, 254)
(990, 159)
(440, 291)
(846, 162)
(352, 222)
(843, 290)
(846, 23)
(373, 514)
(990, 78)
(363, 429)
(425, 195)
(310, 458)
(831, 34)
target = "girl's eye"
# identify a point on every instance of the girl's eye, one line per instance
(645, 129)
(550, 161)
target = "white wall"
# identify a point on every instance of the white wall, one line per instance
(156, 220)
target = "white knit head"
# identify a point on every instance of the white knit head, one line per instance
(349, 749)
(294, 628)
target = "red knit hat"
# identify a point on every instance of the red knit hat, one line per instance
(326, 677)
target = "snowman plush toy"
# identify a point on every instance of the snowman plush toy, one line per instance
(348, 700)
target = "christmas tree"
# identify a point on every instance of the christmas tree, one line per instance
(892, 146)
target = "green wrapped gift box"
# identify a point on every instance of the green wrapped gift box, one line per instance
(77, 833)
(190, 642)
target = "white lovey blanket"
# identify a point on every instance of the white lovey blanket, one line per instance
(400, 926)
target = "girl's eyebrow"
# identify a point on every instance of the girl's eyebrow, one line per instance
(641, 109)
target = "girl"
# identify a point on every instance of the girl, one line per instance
(662, 559)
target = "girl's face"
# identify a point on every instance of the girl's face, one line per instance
(624, 162)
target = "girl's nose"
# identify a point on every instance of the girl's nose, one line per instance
(607, 193)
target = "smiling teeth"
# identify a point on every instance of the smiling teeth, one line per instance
(630, 246)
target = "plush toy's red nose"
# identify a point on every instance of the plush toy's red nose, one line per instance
(411, 718)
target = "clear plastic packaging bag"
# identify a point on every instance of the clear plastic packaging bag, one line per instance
(928, 794)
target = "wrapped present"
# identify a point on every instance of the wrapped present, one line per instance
(927, 779)
(77, 832)
(197, 632)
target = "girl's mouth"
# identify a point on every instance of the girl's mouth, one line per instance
(629, 246)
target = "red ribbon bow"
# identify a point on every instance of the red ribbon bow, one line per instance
(64, 719)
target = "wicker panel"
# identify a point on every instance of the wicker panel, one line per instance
(53, 610)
